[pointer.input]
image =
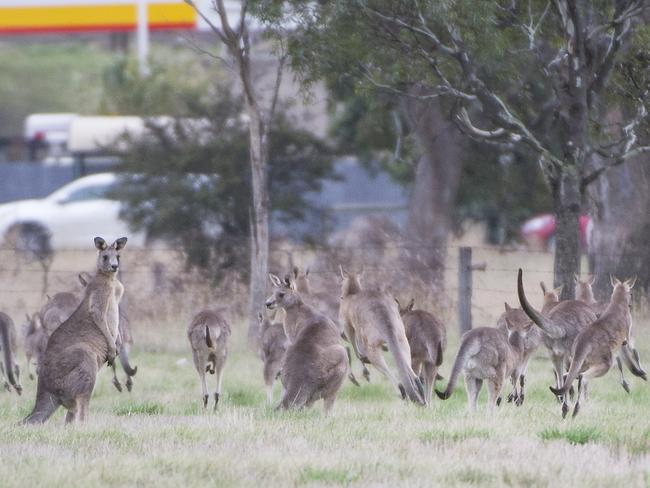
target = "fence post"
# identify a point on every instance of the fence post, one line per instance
(465, 289)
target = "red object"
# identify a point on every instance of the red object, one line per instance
(539, 231)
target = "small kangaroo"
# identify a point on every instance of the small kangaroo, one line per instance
(124, 342)
(559, 326)
(594, 347)
(9, 366)
(273, 347)
(427, 338)
(83, 343)
(208, 334)
(492, 355)
(532, 340)
(627, 354)
(371, 319)
(315, 364)
(35, 342)
(328, 305)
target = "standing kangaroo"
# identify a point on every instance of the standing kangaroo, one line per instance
(35, 342)
(627, 354)
(208, 334)
(594, 347)
(315, 363)
(559, 326)
(273, 347)
(83, 343)
(8, 365)
(518, 320)
(370, 320)
(492, 355)
(427, 338)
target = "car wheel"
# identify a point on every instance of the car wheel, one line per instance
(30, 238)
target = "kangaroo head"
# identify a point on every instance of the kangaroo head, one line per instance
(108, 257)
(301, 280)
(551, 296)
(351, 281)
(622, 292)
(584, 288)
(407, 309)
(517, 320)
(284, 294)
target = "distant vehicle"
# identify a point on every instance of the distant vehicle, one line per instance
(46, 135)
(71, 216)
(539, 232)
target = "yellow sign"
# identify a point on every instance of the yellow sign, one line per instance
(43, 16)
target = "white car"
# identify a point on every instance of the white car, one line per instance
(71, 216)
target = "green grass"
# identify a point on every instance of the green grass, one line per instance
(160, 434)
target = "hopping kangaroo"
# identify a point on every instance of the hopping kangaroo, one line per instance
(594, 347)
(315, 363)
(273, 347)
(627, 354)
(492, 355)
(208, 334)
(427, 339)
(371, 319)
(559, 326)
(532, 340)
(8, 365)
(80, 345)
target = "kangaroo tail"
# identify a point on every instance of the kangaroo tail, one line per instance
(5, 324)
(579, 357)
(124, 361)
(46, 405)
(459, 362)
(542, 322)
(402, 354)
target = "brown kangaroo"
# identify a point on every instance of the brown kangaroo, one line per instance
(492, 355)
(83, 343)
(627, 354)
(35, 342)
(315, 363)
(9, 366)
(427, 337)
(559, 326)
(532, 339)
(594, 347)
(208, 334)
(371, 319)
(273, 347)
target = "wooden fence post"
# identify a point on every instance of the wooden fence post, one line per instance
(465, 289)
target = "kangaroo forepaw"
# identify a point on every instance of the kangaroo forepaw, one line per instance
(7, 386)
(565, 409)
(625, 386)
(353, 379)
(129, 384)
(511, 397)
(117, 384)
(19, 389)
(205, 401)
(402, 391)
(576, 409)
(366, 374)
(216, 401)
(572, 393)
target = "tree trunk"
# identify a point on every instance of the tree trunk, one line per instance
(435, 189)
(567, 233)
(259, 219)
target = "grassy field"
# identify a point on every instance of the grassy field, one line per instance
(160, 433)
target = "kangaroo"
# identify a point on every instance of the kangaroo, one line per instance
(371, 319)
(492, 355)
(35, 342)
(559, 326)
(327, 305)
(627, 354)
(594, 347)
(124, 342)
(208, 334)
(427, 338)
(9, 366)
(83, 343)
(273, 347)
(532, 340)
(315, 363)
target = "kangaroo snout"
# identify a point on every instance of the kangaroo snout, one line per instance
(270, 304)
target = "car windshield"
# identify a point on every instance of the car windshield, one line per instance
(87, 193)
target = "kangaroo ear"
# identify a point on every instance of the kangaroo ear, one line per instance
(558, 290)
(120, 243)
(411, 304)
(275, 280)
(83, 279)
(613, 280)
(287, 281)
(508, 307)
(631, 282)
(543, 287)
(576, 278)
(100, 244)
(344, 273)
(592, 279)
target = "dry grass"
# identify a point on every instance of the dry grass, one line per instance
(159, 434)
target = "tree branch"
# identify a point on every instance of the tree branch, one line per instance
(211, 24)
